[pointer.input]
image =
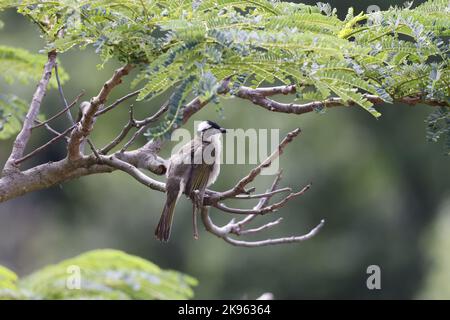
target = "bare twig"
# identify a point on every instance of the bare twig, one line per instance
(261, 203)
(49, 128)
(24, 135)
(130, 124)
(67, 108)
(32, 153)
(41, 123)
(259, 229)
(262, 195)
(117, 102)
(240, 186)
(262, 210)
(225, 231)
(86, 123)
(237, 228)
(63, 98)
(93, 148)
(143, 124)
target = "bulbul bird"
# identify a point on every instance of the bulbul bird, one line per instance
(190, 171)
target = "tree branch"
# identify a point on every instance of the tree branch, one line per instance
(53, 140)
(24, 135)
(134, 172)
(66, 109)
(62, 96)
(225, 231)
(117, 102)
(47, 175)
(240, 186)
(146, 157)
(86, 124)
(141, 125)
(259, 97)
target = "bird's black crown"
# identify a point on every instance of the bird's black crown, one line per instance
(213, 124)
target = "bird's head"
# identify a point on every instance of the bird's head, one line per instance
(207, 129)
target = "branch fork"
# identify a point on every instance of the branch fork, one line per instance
(16, 182)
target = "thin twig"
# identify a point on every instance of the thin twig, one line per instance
(67, 108)
(63, 98)
(49, 128)
(41, 123)
(240, 186)
(94, 150)
(261, 228)
(262, 195)
(32, 153)
(225, 231)
(262, 202)
(117, 102)
(130, 124)
(263, 210)
(143, 124)
(277, 241)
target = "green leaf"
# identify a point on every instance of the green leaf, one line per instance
(20, 65)
(438, 127)
(12, 112)
(397, 55)
(174, 116)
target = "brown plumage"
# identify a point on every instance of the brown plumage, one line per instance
(194, 167)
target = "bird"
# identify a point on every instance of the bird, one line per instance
(191, 170)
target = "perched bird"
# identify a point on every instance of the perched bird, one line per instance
(191, 170)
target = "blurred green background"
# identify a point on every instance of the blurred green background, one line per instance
(383, 190)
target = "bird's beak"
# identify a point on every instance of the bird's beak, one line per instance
(223, 130)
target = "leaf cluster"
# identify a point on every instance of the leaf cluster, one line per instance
(103, 274)
(193, 45)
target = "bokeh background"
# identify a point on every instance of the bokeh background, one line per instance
(382, 188)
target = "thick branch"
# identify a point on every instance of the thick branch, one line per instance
(134, 172)
(87, 120)
(24, 135)
(47, 175)
(259, 97)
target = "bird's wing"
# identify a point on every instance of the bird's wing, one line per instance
(198, 178)
(200, 171)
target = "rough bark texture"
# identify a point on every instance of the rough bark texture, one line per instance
(15, 182)
(22, 138)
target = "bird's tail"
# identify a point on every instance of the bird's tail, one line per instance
(162, 231)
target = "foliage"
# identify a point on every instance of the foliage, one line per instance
(12, 111)
(105, 274)
(192, 43)
(438, 124)
(19, 65)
